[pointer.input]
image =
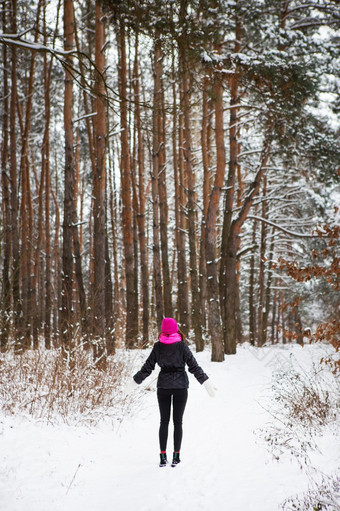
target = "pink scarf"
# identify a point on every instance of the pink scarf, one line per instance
(170, 339)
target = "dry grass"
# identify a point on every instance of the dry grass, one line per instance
(304, 404)
(306, 398)
(322, 495)
(305, 407)
(42, 384)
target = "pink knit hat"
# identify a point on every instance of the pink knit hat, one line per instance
(169, 326)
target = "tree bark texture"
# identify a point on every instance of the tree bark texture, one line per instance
(230, 340)
(182, 275)
(261, 302)
(252, 313)
(214, 310)
(163, 199)
(66, 313)
(206, 162)
(127, 214)
(141, 202)
(5, 183)
(99, 189)
(191, 208)
(156, 146)
(14, 202)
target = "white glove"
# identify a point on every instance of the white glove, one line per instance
(130, 386)
(209, 388)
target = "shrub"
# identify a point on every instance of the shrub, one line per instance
(303, 404)
(42, 384)
(323, 495)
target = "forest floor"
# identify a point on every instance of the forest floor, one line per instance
(226, 463)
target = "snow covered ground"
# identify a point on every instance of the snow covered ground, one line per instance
(110, 466)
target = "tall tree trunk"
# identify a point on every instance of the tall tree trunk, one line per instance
(229, 288)
(282, 314)
(178, 164)
(113, 214)
(66, 315)
(78, 285)
(109, 319)
(214, 311)
(87, 107)
(6, 218)
(261, 303)
(78, 270)
(297, 325)
(268, 286)
(274, 313)
(156, 143)
(141, 201)
(99, 188)
(191, 208)
(229, 246)
(26, 239)
(206, 157)
(29, 291)
(57, 277)
(32, 306)
(57, 280)
(14, 189)
(163, 201)
(239, 198)
(37, 256)
(48, 265)
(47, 171)
(252, 312)
(46, 155)
(127, 216)
(231, 257)
(182, 271)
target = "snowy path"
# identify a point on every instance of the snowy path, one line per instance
(60, 468)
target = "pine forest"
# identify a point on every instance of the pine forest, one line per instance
(168, 159)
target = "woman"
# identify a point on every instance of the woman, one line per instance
(171, 354)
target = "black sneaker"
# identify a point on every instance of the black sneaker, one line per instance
(175, 459)
(164, 460)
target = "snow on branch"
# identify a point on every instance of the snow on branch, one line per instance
(15, 39)
(283, 229)
(61, 56)
(92, 114)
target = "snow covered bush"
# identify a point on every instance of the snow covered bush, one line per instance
(305, 408)
(305, 398)
(322, 495)
(304, 404)
(41, 384)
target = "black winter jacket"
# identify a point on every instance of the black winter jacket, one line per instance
(172, 359)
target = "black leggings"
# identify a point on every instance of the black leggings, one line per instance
(179, 400)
